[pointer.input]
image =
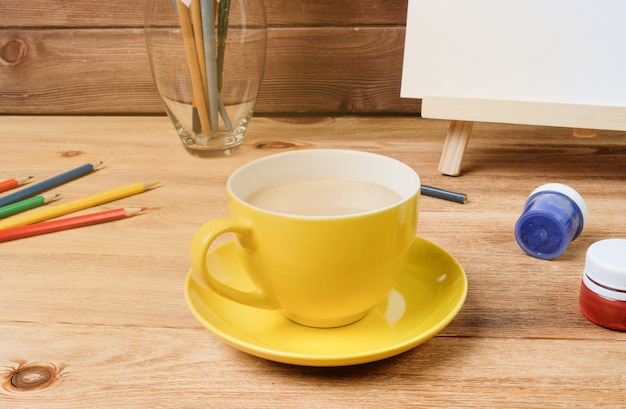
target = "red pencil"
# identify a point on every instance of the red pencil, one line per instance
(12, 183)
(68, 223)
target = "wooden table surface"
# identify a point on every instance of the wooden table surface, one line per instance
(101, 309)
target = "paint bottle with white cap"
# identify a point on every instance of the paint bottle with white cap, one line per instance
(554, 215)
(603, 289)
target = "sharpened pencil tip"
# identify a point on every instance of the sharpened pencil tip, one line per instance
(98, 165)
(25, 179)
(51, 197)
(131, 211)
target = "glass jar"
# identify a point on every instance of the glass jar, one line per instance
(207, 60)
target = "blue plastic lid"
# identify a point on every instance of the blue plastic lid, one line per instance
(541, 235)
(554, 215)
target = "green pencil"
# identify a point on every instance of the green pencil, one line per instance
(26, 204)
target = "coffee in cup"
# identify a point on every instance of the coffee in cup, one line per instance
(323, 234)
(323, 197)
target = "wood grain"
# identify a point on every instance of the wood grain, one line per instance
(102, 307)
(329, 57)
(74, 71)
(96, 13)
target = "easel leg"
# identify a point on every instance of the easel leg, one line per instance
(454, 147)
(584, 133)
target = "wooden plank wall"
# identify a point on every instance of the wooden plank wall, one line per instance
(89, 57)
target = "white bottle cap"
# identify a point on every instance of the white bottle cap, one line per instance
(605, 268)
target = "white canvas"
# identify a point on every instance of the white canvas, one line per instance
(550, 51)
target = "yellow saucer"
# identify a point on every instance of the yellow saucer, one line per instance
(426, 299)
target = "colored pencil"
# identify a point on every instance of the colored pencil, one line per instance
(196, 21)
(73, 206)
(194, 65)
(27, 204)
(13, 183)
(208, 33)
(198, 37)
(49, 183)
(68, 223)
(444, 194)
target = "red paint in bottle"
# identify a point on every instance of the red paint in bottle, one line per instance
(603, 288)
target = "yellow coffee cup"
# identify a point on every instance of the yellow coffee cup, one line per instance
(323, 234)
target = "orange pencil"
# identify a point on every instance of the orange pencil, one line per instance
(12, 183)
(68, 223)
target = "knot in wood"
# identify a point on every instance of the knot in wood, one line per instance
(32, 377)
(70, 154)
(12, 52)
(275, 145)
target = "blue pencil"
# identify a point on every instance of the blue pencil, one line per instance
(49, 183)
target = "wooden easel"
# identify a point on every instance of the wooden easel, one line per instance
(458, 138)
(553, 63)
(583, 119)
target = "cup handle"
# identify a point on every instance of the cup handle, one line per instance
(200, 244)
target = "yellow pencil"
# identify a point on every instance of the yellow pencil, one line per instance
(73, 206)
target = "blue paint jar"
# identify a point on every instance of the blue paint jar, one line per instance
(554, 215)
